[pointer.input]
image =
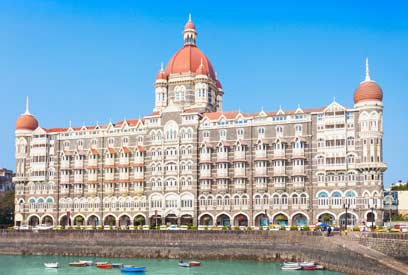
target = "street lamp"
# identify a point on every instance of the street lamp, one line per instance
(346, 206)
(372, 207)
(266, 217)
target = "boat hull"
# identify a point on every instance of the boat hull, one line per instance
(51, 265)
(133, 269)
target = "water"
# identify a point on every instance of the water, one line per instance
(33, 265)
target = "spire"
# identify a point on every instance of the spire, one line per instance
(367, 71)
(27, 108)
(161, 67)
(189, 33)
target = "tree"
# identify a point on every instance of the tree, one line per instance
(7, 209)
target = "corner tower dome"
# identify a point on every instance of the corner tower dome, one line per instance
(368, 90)
(26, 121)
(189, 58)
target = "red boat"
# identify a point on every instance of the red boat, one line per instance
(309, 267)
(104, 266)
(194, 263)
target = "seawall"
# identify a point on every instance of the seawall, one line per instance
(335, 253)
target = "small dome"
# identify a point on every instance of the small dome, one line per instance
(218, 84)
(368, 90)
(161, 75)
(189, 26)
(26, 122)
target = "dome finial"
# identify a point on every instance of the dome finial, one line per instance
(27, 109)
(161, 67)
(367, 71)
(189, 17)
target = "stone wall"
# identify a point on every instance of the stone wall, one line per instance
(240, 245)
(394, 245)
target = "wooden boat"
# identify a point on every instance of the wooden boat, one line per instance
(116, 265)
(86, 262)
(104, 266)
(194, 263)
(51, 265)
(130, 268)
(77, 264)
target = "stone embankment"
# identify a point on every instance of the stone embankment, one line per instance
(340, 253)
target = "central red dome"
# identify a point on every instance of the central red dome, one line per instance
(187, 60)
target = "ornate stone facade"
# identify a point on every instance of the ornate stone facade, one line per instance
(191, 163)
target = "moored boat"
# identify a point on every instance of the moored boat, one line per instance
(307, 264)
(194, 263)
(319, 267)
(51, 265)
(86, 262)
(130, 268)
(309, 267)
(104, 266)
(291, 267)
(77, 264)
(116, 265)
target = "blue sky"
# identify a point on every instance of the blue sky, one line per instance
(89, 61)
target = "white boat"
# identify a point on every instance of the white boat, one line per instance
(51, 265)
(87, 263)
(307, 264)
(294, 267)
(290, 264)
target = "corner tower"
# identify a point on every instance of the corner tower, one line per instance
(189, 80)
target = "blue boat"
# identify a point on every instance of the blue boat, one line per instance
(128, 268)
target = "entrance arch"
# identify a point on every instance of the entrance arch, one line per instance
(110, 220)
(281, 219)
(155, 220)
(47, 220)
(261, 220)
(241, 220)
(64, 221)
(224, 220)
(34, 220)
(186, 220)
(206, 220)
(93, 220)
(327, 218)
(79, 220)
(124, 220)
(351, 220)
(139, 220)
(170, 219)
(299, 219)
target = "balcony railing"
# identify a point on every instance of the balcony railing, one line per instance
(221, 156)
(205, 157)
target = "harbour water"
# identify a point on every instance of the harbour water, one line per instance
(33, 265)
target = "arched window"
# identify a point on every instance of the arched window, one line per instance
(336, 198)
(350, 198)
(323, 199)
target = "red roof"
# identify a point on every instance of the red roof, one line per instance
(111, 150)
(140, 148)
(188, 60)
(26, 122)
(368, 90)
(94, 151)
(126, 150)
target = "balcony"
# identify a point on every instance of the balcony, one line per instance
(123, 161)
(65, 164)
(222, 187)
(205, 187)
(299, 185)
(79, 178)
(279, 185)
(279, 171)
(157, 188)
(205, 173)
(222, 173)
(138, 160)
(239, 155)
(124, 176)
(298, 153)
(261, 171)
(298, 170)
(239, 186)
(260, 154)
(79, 164)
(261, 186)
(92, 177)
(138, 176)
(109, 176)
(222, 157)
(92, 163)
(64, 179)
(279, 154)
(239, 172)
(205, 157)
(138, 189)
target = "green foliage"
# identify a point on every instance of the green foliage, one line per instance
(236, 228)
(224, 228)
(205, 227)
(305, 228)
(399, 217)
(293, 228)
(7, 208)
(402, 187)
(282, 228)
(356, 229)
(192, 227)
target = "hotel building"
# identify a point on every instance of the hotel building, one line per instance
(189, 162)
